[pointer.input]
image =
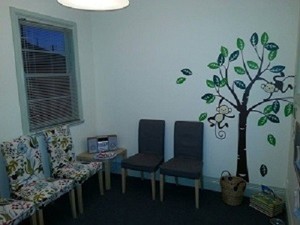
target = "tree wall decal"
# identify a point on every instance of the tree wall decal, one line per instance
(235, 83)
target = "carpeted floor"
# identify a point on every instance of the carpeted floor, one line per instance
(136, 207)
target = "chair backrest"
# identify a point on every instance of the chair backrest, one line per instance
(151, 137)
(188, 139)
(23, 161)
(60, 146)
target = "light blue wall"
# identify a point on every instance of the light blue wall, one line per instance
(138, 55)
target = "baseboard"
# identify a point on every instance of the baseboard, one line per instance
(208, 183)
(211, 183)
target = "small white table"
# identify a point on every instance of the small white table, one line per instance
(85, 156)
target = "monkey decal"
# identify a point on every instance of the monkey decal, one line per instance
(269, 88)
(277, 85)
(218, 119)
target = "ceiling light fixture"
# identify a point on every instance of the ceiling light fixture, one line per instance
(101, 5)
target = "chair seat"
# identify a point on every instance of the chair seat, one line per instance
(143, 162)
(42, 192)
(93, 167)
(77, 171)
(14, 211)
(182, 167)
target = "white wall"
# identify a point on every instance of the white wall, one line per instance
(139, 52)
(10, 119)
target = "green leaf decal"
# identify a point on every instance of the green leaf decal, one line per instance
(233, 56)
(202, 116)
(210, 83)
(254, 39)
(209, 98)
(271, 47)
(224, 51)
(223, 82)
(268, 109)
(213, 65)
(186, 72)
(221, 60)
(252, 65)
(277, 69)
(240, 84)
(263, 170)
(276, 106)
(264, 38)
(262, 121)
(239, 70)
(180, 80)
(240, 44)
(273, 118)
(272, 139)
(288, 109)
(272, 55)
(216, 80)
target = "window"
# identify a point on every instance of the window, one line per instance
(46, 71)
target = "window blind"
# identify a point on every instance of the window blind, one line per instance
(49, 75)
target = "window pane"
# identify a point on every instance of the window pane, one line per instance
(50, 81)
(43, 50)
(41, 62)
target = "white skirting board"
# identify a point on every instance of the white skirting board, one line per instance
(208, 183)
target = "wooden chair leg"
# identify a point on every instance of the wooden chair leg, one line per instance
(153, 185)
(161, 184)
(33, 219)
(79, 198)
(197, 186)
(101, 186)
(124, 173)
(73, 203)
(41, 217)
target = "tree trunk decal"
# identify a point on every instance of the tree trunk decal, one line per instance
(242, 166)
(232, 86)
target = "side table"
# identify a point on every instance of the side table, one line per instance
(85, 156)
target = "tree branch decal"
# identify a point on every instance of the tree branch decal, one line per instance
(233, 86)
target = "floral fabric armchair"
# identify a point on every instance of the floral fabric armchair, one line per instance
(26, 175)
(63, 163)
(12, 211)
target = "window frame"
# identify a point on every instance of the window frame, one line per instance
(17, 14)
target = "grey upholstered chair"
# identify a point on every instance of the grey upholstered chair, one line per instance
(187, 161)
(151, 136)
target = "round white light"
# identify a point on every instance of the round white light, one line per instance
(95, 4)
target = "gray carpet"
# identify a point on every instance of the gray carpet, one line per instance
(137, 208)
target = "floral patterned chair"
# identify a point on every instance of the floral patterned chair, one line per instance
(26, 176)
(63, 163)
(13, 211)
